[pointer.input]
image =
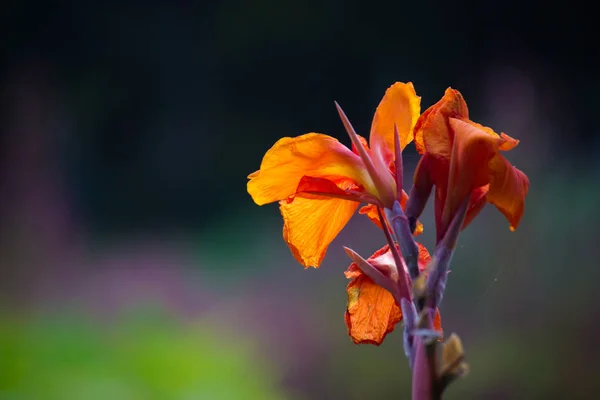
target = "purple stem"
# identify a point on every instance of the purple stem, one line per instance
(398, 163)
(422, 382)
(438, 276)
(409, 316)
(404, 282)
(425, 386)
(403, 233)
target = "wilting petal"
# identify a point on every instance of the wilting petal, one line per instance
(432, 132)
(401, 106)
(371, 313)
(508, 188)
(290, 159)
(309, 225)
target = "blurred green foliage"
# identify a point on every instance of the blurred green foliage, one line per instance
(143, 357)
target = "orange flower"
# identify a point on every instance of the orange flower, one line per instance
(462, 158)
(372, 311)
(319, 182)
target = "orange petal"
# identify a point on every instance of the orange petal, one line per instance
(401, 106)
(432, 132)
(508, 188)
(471, 153)
(290, 159)
(310, 224)
(371, 313)
(505, 143)
(370, 210)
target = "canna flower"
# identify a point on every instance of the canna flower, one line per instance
(463, 158)
(319, 183)
(372, 310)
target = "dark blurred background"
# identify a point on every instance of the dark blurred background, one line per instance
(134, 265)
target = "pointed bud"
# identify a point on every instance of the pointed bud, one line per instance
(381, 177)
(451, 364)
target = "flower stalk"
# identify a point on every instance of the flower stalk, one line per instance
(319, 184)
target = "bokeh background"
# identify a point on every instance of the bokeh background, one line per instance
(134, 265)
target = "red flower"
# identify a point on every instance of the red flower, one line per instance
(462, 158)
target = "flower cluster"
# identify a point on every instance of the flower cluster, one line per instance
(320, 184)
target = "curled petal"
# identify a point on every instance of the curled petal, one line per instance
(370, 211)
(477, 202)
(508, 188)
(311, 224)
(401, 106)
(432, 131)
(290, 159)
(472, 151)
(505, 142)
